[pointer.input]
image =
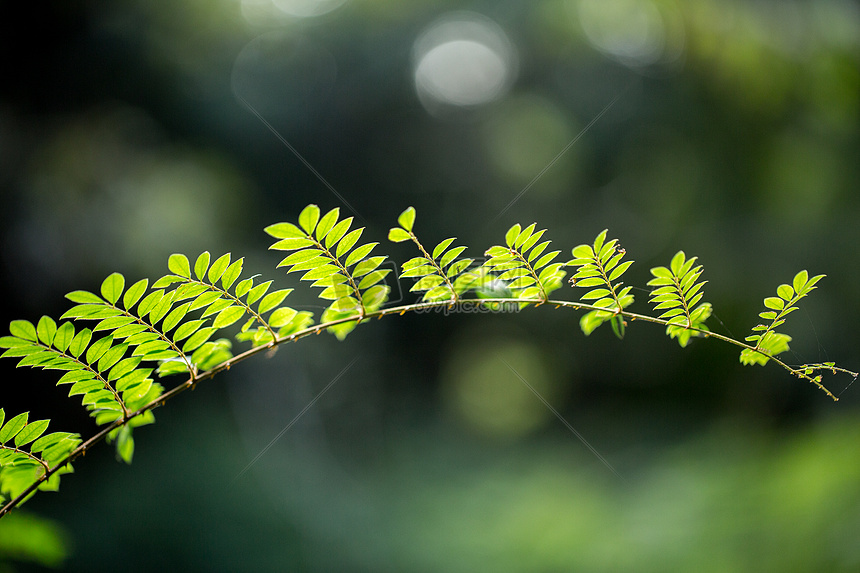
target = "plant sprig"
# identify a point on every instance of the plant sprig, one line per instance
(139, 332)
(599, 265)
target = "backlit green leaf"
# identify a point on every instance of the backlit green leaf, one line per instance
(201, 265)
(407, 218)
(232, 273)
(46, 329)
(308, 218)
(359, 253)
(272, 300)
(800, 280)
(281, 317)
(228, 316)
(281, 231)
(112, 287)
(218, 267)
(326, 223)
(398, 235)
(23, 329)
(84, 297)
(134, 293)
(12, 427)
(348, 242)
(178, 264)
(337, 232)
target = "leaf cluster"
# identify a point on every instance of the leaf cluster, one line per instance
(325, 251)
(768, 342)
(599, 265)
(140, 332)
(523, 265)
(30, 455)
(677, 293)
(441, 274)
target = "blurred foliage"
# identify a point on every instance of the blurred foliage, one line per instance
(25, 537)
(734, 136)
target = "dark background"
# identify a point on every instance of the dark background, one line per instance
(133, 130)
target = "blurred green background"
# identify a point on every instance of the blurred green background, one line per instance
(131, 130)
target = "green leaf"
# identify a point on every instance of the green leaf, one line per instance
(162, 308)
(308, 264)
(785, 292)
(620, 270)
(243, 287)
(201, 265)
(326, 223)
(134, 293)
(320, 272)
(198, 338)
(281, 317)
(23, 329)
(458, 267)
(512, 234)
(618, 326)
(167, 280)
(257, 292)
(84, 297)
(272, 300)
(800, 280)
(596, 293)
(398, 235)
(532, 240)
(30, 432)
(189, 290)
(583, 252)
(178, 264)
(302, 256)
(372, 278)
(187, 329)
(232, 273)
(282, 231)
(112, 287)
(113, 323)
(598, 242)
(774, 303)
(367, 266)
(218, 267)
(149, 302)
(228, 316)
(524, 235)
(98, 348)
(125, 445)
(440, 248)
(80, 342)
(12, 427)
(217, 307)
(64, 336)
(348, 242)
(337, 232)
(132, 379)
(49, 440)
(46, 329)
(373, 297)
(359, 253)
(308, 218)
(111, 356)
(449, 257)
(407, 218)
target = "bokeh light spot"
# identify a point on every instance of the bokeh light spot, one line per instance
(630, 31)
(463, 60)
(525, 133)
(489, 397)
